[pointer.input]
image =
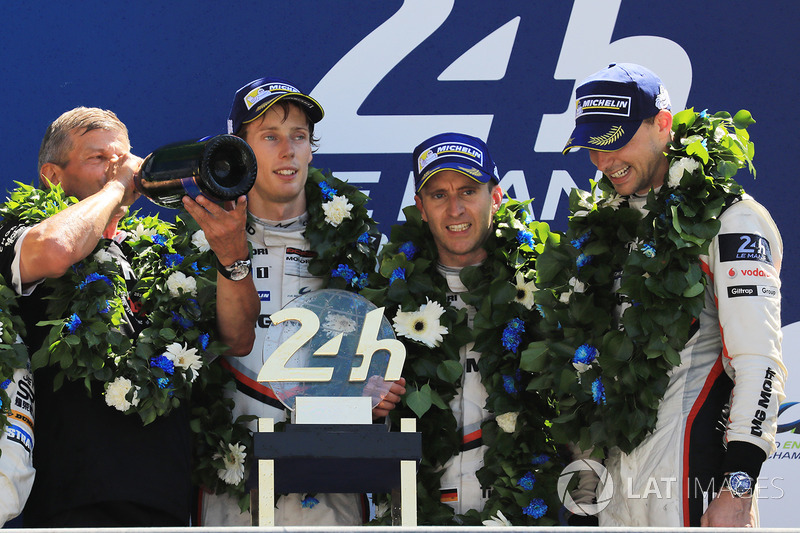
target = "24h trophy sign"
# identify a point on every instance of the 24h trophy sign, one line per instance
(314, 343)
(332, 346)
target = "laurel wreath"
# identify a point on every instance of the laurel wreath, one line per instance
(346, 253)
(520, 464)
(610, 378)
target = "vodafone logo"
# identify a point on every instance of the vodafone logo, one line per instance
(748, 272)
(754, 273)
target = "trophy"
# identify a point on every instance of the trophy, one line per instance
(330, 357)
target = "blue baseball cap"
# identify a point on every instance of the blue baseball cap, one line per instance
(253, 100)
(453, 151)
(611, 105)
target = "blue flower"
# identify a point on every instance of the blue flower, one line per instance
(512, 334)
(73, 322)
(527, 481)
(204, 339)
(598, 392)
(173, 260)
(674, 199)
(91, 278)
(359, 282)
(164, 364)
(182, 321)
(540, 459)
(164, 383)
(345, 272)
(408, 249)
(525, 237)
(159, 239)
(397, 273)
(105, 309)
(309, 502)
(704, 113)
(648, 250)
(509, 384)
(583, 260)
(540, 309)
(4, 385)
(328, 192)
(364, 238)
(195, 268)
(586, 354)
(580, 241)
(536, 509)
(704, 143)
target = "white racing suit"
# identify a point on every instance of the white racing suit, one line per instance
(460, 487)
(280, 271)
(719, 413)
(16, 444)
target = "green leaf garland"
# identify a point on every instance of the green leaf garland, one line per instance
(603, 374)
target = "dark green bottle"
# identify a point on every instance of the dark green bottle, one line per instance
(221, 168)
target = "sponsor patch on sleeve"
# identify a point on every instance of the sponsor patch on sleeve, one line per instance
(744, 247)
(765, 291)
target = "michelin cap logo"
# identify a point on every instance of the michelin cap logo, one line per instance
(461, 153)
(473, 155)
(265, 91)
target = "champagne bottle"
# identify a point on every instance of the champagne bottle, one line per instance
(220, 168)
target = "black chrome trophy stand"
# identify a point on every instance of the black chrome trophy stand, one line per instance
(332, 444)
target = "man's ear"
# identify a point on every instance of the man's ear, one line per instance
(418, 202)
(664, 122)
(497, 198)
(50, 174)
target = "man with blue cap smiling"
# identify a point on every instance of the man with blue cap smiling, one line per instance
(717, 420)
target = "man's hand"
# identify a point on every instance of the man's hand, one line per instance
(727, 511)
(223, 227)
(389, 401)
(122, 169)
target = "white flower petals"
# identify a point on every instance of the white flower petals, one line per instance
(422, 325)
(337, 210)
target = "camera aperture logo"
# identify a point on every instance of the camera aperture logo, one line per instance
(603, 499)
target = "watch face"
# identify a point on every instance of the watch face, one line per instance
(239, 270)
(740, 483)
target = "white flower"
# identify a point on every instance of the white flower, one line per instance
(184, 358)
(178, 281)
(577, 285)
(200, 242)
(338, 324)
(233, 472)
(116, 392)
(102, 256)
(613, 201)
(423, 325)
(498, 520)
(587, 205)
(524, 291)
(337, 210)
(686, 141)
(581, 367)
(719, 133)
(1, 328)
(140, 231)
(678, 167)
(507, 421)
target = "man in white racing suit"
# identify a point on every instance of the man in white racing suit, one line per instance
(718, 418)
(16, 445)
(457, 194)
(277, 120)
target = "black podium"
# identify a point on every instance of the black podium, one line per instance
(337, 458)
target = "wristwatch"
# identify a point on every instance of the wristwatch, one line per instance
(237, 271)
(739, 483)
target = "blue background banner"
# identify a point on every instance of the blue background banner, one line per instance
(392, 73)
